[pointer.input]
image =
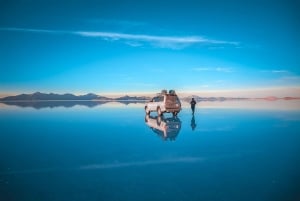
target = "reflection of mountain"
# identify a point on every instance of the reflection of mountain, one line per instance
(166, 128)
(52, 104)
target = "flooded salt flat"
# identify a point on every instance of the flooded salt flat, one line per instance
(113, 151)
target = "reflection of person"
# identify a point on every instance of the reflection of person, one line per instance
(193, 123)
(193, 105)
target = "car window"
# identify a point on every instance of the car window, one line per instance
(155, 99)
(172, 99)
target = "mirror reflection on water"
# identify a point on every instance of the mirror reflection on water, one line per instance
(114, 151)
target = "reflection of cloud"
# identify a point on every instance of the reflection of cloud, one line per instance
(221, 129)
(175, 42)
(109, 165)
(142, 163)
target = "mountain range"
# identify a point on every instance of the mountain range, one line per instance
(69, 97)
(38, 96)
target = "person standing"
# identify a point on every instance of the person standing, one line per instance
(193, 105)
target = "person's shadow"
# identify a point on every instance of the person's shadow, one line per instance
(193, 123)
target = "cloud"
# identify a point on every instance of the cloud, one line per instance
(159, 41)
(216, 69)
(135, 40)
(290, 79)
(274, 71)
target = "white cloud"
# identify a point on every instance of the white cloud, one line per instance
(274, 71)
(226, 70)
(202, 69)
(217, 69)
(175, 42)
(159, 41)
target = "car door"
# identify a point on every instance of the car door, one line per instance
(152, 105)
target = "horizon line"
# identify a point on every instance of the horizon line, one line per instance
(279, 92)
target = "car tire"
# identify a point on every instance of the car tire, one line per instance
(147, 111)
(146, 118)
(158, 120)
(159, 112)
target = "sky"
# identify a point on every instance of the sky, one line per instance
(121, 46)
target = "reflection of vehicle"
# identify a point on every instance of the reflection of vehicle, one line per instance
(167, 128)
(164, 102)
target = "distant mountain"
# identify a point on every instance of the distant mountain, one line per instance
(51, 96)
(38, 96)
(198, 98)
(132, 98)
(269, 98)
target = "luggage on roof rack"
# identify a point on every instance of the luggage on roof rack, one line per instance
(164, 91)
(172, 92)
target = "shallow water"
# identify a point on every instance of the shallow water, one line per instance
(113, 151)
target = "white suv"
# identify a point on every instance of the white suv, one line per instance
(164, 102)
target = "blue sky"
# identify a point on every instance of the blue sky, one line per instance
(145, 46)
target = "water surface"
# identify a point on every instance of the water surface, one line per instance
(113, 151)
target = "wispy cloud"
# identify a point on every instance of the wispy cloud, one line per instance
(216, 69)
(274, 71)
(158, 41)
(292, 78)
(175, 42)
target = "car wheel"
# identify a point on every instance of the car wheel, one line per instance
(147, 111)
(158, 120)
(159, 112)
(146, 118)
